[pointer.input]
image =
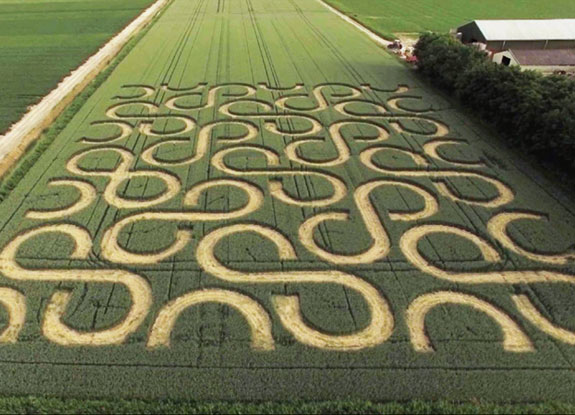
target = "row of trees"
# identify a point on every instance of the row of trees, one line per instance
(533, 111)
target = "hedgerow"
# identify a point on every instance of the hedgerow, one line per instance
(532, 111)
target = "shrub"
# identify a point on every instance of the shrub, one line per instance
(443, 59)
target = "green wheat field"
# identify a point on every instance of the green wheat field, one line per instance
(260, 203)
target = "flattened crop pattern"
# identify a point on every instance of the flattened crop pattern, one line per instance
(261, 204)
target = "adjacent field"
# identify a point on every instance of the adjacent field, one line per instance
(42, 41)
(261, 204)
(414, 16)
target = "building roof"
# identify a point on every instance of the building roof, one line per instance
(544, 57)
(523, 29)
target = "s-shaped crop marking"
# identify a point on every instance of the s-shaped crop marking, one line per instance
(146, 120)
(112, 251)
(53, 327)
(321, 104)
(202, 144)
(497, 227)
(276, 186)
(343, 151)
(504, 193)
(123, 173)
(172, 103)
(88, 195)
(380, 112)
(256, 316)
(381, 244)
(409, 246)
(267, 115)
(288, 306)
(514, 340)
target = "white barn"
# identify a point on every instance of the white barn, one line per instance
(500, 35)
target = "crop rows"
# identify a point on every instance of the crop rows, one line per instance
(42, 41)
(259, 203)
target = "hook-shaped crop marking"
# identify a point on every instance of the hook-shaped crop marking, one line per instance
(288, 307)
(53, 326)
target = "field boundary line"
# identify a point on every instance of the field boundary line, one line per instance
(24, 132)
(370, 33)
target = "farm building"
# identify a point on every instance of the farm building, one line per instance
(500, 35)
(546, 60)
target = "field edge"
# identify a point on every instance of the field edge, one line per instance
(11, 176)
(37, 404)
(44, 113)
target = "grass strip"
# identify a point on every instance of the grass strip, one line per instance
(39, 405)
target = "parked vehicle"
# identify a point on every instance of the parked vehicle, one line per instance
(395, 45)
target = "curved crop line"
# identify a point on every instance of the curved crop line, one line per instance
(514, 340)
(288, 307)
(202, 143)
(255, 315)
(530, 312)
(276, 186)
(505, 194)
(409, 246)
(88, 195)
(498, 226)
(123, 173)
(147, 91)
(53, 326)
(372, 223)
(112, 251)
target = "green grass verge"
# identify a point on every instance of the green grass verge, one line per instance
(35, 405)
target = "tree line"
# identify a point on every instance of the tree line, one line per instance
(530, 110)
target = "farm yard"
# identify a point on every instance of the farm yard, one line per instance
(42, 41)
(391, 17)
(260, 203)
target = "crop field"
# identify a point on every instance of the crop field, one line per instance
(260, 203)
(414, 16)
(42, 41)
